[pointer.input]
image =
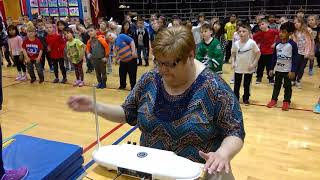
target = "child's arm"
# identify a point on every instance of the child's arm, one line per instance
(218, 53)
(81, 47)
(39, 56)
(295, 60)
(256, 37)
(309, 48)
(20, 43)
(133, 49)
(88, 47)
(276, 38)
(26, 55)
(233, 59)
(40, 52)
(257, 55)
(200, 53)
(83, 50)
(256, 59)
(10, 48)
(274, 61)
(233, 55)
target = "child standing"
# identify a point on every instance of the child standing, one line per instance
(125, 51)
(16, 51)
(42, 34)
(315, 29)
(265, 39)
(142, 41)
(245, 56)
(56, 46)
(75, 51)
(284, 65)
(230, 29)
(219, 33)
(61, 25)
(85, 38)
(235, 38)
(32, 50)
(98, 51)
(209, 51)
(305, 48)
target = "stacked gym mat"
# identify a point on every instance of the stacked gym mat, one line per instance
(45, 159)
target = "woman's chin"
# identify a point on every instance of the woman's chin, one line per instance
(168, 78)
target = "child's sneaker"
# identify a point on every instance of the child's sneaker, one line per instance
(271, 82)
(63, 81)
(56, 80)
(81, 84)
(258, 81)
(285, 106)
(317, 108)
(310, 72)
(23, 77)
(103, 85)
(272, 104)
(98, 86)
(298, 85)
(232, 81)
(76, 83)
(15, 174)
(246, 102)
(18, 77)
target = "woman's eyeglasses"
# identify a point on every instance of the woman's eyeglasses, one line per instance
(166, 64)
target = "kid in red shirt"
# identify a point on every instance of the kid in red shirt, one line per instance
(56, 46)
(266, 39)
(32, 49)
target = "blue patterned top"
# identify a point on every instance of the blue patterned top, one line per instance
(198, 119)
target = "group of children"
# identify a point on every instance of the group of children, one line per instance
(67, 46)
(285, 53)
(283, 50)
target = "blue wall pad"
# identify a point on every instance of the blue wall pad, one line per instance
(45, 159)
(71, 169)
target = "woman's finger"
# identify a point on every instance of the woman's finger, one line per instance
(208, 164)
(205, 156)
(220, 167)
(227, 168)
(214, 166)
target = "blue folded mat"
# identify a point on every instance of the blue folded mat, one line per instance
(76, 174)
(71, 169)
(45, 159)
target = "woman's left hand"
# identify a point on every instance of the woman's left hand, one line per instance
(215, 162)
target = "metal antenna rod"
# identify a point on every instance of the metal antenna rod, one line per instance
(96, 115)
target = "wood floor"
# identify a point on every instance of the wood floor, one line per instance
(278, 146)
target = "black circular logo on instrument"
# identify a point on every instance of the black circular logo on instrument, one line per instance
(142, 154)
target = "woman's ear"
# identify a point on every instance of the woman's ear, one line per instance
(192, 55)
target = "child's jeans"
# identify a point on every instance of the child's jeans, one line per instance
(279, 78)
(30, 66)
